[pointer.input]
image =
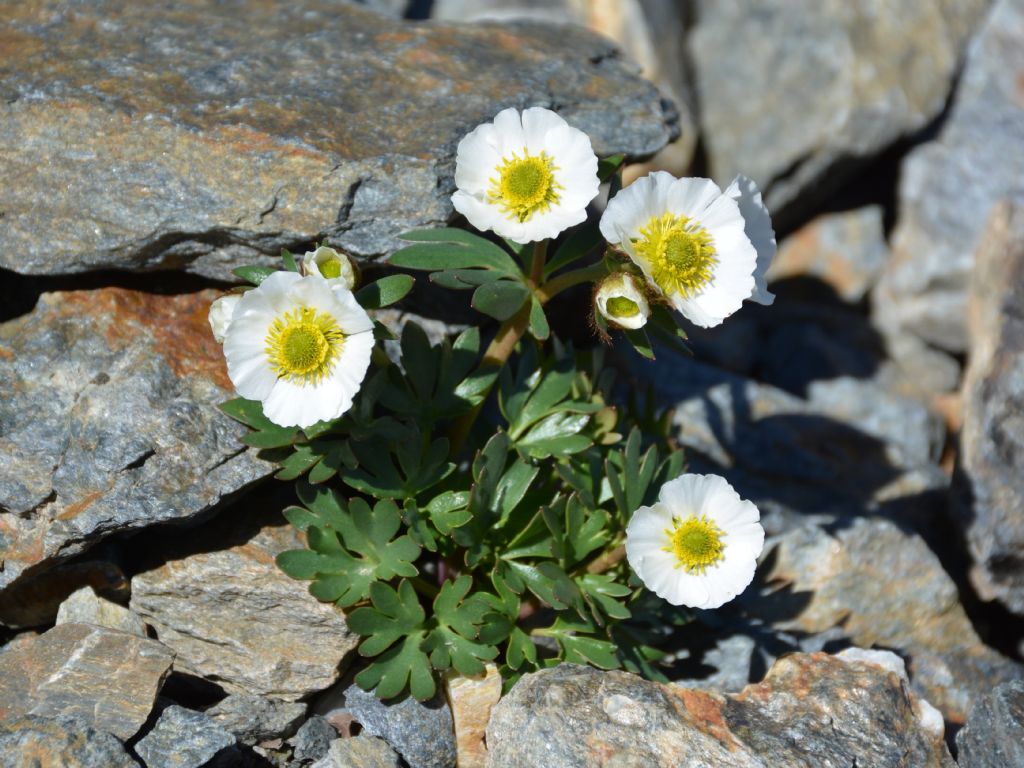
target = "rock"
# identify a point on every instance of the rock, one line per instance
(359, 752)
(731, 658)
(85, 607)
(990, 473)
(949, 187)
(182, 738)
(994, 734)
(205, 137)
(313, 740)
(421, 732)
(61, 742)
(648, 32)
(812, 709)
(793, 457)
(233, 617)
(252, 719)
(110, 423)
(103, 676)
(471, 700)
(34, 601)
(847, 250)
(885, 588)
(911, 368)
(820, 88)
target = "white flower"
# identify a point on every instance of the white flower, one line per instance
(698, 544)
(526, 177)
(705, 250)
(622, 302)
(758, 227)
(300, 346)
(220, 315)
(328, 263)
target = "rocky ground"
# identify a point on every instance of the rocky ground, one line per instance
(875, 413)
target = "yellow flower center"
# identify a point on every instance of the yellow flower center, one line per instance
(620, 306)
(679, 252)
(303, 345)
(331, 268)
(525, 185)
(696, 542)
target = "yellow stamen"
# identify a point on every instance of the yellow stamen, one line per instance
(696, 542)
(525, 185)
(303, 345)
(331, 268)
(679, 252)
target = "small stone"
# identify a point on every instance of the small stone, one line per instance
(234, 618)
(256, 719)
(34, 600)
(822, 88)
(110, 423)
(471, 700)
(105, 677)
(578, 716)
(182, 738)
(421, 732)
(847, 250)
(731, 657)
(359, 752)
(989, 483)
(885, 588)
(313, 740)
(994, 734)
(949, 186)
(59, 742)
(86, 607)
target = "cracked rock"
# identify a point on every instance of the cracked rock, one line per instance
(205, 136)
(109, 423)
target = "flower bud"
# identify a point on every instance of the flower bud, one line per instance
(220, 315)
(330, 264)
(622, 302)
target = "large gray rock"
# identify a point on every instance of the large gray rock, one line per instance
(109, 422)
(182, 738)
(103, 676)
(797, 95)
(313, 740)
(949, 186)
(359, 752)
(233, 617)
(990, 473)
(811, 710)
(421, 732)
(832, 455)
(994, 734)
(253, 719)
(884, 588)
(205, 136)
(59, 742)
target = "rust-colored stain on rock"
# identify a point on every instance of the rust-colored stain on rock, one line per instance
(177, 325)
(706, 713)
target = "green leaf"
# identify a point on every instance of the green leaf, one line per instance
(602, 593)
(583, 241)
(500, 299)
(394, 629)
(385, 292)
(464, 279)
(549, 583)
(265, 434)
(438, 249)
(607, 166)
(641, 343)
(556, 435)
(538, 320)
(449, 511)
(301, 564)
(289, 260)
(454, 641)
(253, 275)
(521, 650)
(398, 469)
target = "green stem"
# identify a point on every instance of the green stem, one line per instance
(540, 254)
(424, 587)
(563, 282)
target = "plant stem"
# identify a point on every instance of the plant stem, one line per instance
(424, 587)
(565, 281)
(607, 560)
(540, 254)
